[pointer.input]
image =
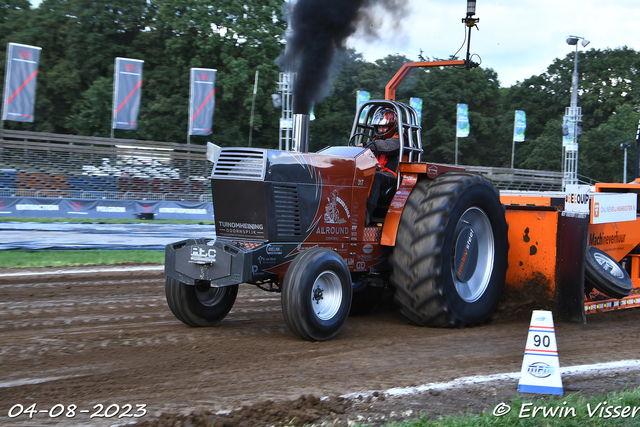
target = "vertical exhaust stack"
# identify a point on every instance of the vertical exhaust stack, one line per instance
(301, 133)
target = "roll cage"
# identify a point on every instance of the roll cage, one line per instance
(410, 139)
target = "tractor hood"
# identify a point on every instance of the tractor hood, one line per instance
(262, 194)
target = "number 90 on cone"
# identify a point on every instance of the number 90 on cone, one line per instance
(541, 366)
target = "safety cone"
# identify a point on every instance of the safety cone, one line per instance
(541, 366)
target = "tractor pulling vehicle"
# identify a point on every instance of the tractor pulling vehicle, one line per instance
(294, 222)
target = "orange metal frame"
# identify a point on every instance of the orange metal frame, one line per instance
(390, 89)
(533, 245)
(627, 238)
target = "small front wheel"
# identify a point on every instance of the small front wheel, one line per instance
(199, 305)
(316, 294)
(605, 274)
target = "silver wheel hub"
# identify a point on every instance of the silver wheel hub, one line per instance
(473, 254)
(609, 266)
(326, 295)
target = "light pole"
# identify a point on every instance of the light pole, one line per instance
(625, 146)
(573, 114)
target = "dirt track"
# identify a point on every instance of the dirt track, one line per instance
(105, 339)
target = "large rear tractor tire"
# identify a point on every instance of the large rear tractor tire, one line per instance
(450, 258)
(316, 294)
(199, 305)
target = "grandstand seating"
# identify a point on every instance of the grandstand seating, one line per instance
(54, 165)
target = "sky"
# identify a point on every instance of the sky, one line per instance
(517, 38)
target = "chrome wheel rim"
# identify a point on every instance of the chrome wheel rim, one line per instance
(609, 265)
(474, 222)
(326, 295)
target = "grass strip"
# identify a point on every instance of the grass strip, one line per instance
(60, 258)
(619, 409)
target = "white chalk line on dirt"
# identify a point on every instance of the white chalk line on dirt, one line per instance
(85, 271)
(464, 381)
(31, 381)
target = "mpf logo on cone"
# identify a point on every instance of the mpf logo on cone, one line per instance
(541, 366)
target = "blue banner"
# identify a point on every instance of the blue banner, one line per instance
(20, 78)
(568, 130)
(362, 96)
(416, 103)
(463, 127)
(126, 93)
(519, 126)
(202, 101)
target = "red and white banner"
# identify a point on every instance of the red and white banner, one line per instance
(201, 100)
(20, 78)
(126, 93)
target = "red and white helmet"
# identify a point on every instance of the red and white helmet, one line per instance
(385, 117)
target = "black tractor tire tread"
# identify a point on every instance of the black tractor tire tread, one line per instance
(171, 289)
(184, 304)
(294, 293)
(417, 277)
(602, 280)
(287, 305)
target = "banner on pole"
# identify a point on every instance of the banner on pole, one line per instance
(567, 131)
(462, 129)
(20, 82)
(362, 96)
(201, 101)
(126, 93)
(416, 103)
(519, 126)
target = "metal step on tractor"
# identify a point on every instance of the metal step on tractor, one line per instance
(294, 222)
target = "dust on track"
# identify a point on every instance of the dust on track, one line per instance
(108, 338)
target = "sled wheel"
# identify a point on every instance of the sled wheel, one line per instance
(316, 294)
(450, 258)
(365, 298)
(199, 305)
(605, 274)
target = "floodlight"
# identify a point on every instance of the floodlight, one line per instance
(584, 42)
(471, 7)
(571, 40)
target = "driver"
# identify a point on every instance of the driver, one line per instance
(386, 147)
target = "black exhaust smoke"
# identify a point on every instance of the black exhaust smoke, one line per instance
(320, 30)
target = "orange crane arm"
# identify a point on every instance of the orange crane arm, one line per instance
(390, 89)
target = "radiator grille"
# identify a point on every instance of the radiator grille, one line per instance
(287, 210)
(240, 163)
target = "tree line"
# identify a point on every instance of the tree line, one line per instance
(80, 40)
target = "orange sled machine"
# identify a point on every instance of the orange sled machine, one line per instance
(581, 247)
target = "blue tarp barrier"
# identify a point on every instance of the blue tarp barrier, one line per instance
(102, 208)
(35, 236)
